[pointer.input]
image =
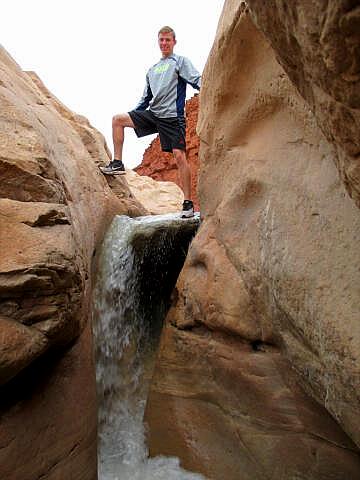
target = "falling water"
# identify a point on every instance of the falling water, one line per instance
(126, 339)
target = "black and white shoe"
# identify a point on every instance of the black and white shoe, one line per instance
(116, 167)
(187, 209)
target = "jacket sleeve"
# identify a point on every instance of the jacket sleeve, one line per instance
(188, 72)
(146, 97)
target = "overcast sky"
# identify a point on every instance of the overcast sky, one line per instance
(93, 54)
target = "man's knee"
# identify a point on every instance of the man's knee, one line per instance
(180, 155)
(122, 120)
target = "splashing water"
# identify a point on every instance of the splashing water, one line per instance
(125, 348)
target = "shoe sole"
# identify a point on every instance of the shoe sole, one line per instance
(120, 172)
(187, 214)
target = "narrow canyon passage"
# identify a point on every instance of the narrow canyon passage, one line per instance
(138, 267)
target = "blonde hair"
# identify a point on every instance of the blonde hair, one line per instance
(167, 29)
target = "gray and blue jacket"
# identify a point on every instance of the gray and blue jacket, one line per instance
(165, 89)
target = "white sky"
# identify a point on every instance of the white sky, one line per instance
(93, 54)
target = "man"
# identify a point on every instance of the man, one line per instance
(164, 94)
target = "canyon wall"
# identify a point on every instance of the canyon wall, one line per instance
(258, 372)
(54, 208)
(160, 165)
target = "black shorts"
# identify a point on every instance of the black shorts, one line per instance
(171, 130)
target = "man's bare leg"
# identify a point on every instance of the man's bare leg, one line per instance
(119, 122)
(185, 179)
(184, 172)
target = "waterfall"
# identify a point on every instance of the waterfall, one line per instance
(139, 257)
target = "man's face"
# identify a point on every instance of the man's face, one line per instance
(166, 43)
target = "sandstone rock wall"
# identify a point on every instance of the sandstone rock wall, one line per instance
(318, 44)
(54, 207)
(258, 370)
(162, 166)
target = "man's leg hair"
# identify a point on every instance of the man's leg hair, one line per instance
(184, 171)
(119, 122)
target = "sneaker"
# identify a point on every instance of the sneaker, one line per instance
(116, 167)
(187, 209)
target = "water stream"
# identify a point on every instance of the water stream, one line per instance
(138, 266)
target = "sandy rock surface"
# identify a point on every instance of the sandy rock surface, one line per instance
(158, 197)
(259, 367)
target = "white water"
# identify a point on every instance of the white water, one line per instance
(125, 354)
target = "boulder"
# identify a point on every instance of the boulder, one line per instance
(157, 196)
